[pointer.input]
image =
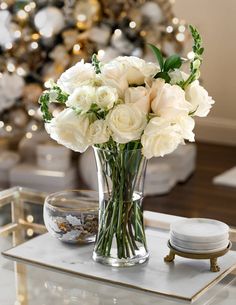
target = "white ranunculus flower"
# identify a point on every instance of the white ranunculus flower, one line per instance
(81, 73)
(167, 100)
(98, 132)
(70, 130)
(126, 123)
(106, 97)
(137, 69)
(199, 99)
(113, 74)
(177, 76)
(139, 96)
(82, 98)
(160, 138)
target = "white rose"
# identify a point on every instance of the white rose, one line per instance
(199, 99)
(113, 74)
(168, 101)
(186, 124)
(81, 73)
(160, 138)
(98, 132)
(126, 123)
(137, 69)
(82, 98)
(106, 97)
(70, 130)
(139, 96)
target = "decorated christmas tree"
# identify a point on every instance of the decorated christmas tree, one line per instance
(40, 39)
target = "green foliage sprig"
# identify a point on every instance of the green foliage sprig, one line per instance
(44, 101)
(174, 61)
(171, 63)
(54, 95)
(197, 60)
(96, 64)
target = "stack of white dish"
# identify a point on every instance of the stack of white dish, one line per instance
(199, 235)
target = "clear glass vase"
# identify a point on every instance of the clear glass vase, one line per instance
(121, 237)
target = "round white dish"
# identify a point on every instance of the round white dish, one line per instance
(198, 246)
(199, 230)
(198, 251)
(223, 237)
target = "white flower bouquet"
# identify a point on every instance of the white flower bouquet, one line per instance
(128, 100)
(126, 109)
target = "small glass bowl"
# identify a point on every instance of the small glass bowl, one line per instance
(72, 216)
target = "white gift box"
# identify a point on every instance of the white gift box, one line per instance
(8, 160)
(159, 179)
(31, 176)
(182, 161)
(27, 146)
(53, 157)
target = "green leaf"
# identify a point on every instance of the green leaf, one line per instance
(163, 75)
(201, 50)
(172, 62)
(44, 106)
(158, 55)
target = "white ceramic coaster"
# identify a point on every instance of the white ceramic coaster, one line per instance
(187, 250)
(200, 230)
(198, 246)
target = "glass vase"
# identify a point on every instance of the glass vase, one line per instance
(121, 239)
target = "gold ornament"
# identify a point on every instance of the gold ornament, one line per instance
(86, 12)
(70, 38)
(18, 117)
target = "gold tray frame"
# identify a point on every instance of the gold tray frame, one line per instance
(16, 197)
(214, 267)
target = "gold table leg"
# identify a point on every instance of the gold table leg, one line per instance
(170, 257)
(214, 266)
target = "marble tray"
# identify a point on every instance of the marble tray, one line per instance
(185, 278)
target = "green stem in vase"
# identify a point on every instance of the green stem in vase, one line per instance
(121, 226)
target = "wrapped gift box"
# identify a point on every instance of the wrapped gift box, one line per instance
(31, 176)
(53, 157)
(182, 162)
(159, 179)
(8, 160)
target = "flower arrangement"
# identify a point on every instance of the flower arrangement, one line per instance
(128, 100)
(127, 109)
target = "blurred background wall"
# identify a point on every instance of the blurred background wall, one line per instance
(216, 21)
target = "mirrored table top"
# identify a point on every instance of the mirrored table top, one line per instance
(29, 285)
